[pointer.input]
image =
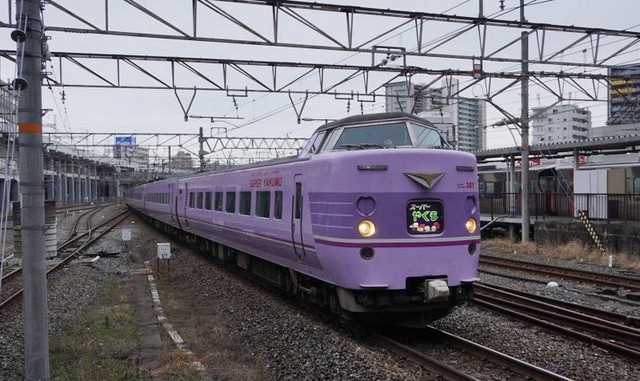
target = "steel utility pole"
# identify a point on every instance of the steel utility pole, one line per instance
(201, 152)
(524, 121)
(29, 87)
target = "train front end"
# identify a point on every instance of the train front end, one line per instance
(395, 220)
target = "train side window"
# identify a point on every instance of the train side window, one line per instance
(277, 205)
(217, 205)
(199, 201)
(230, 206)
(245, 203)
(298, 199)
(207, 201)
(263, 202)
(192, 200)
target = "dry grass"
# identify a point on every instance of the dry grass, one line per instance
(203, 326)
(572, 251)
(176, 365)
(102, 345)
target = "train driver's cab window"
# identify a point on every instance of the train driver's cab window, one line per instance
(370, 136)
(230, 206)
(427, 137)
(313, 145)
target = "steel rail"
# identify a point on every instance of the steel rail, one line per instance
(558, 314)
(70, 238)
(565, 273)
(608, 316)
(511, 363)
(522, 367)
(66, 242)
(120, 217)
(618, 348)
(430, 363)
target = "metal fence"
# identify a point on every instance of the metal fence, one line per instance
(603, 206)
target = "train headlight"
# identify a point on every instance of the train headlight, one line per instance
(471, 225)
(366, 228)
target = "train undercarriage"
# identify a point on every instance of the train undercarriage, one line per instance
(412, 307)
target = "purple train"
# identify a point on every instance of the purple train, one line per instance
(377, 218)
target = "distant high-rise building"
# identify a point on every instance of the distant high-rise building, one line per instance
(460, 120)
(182, 160)
(560, 123)
(125, 148)
(624, 95)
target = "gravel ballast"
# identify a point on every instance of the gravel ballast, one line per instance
(240, 329)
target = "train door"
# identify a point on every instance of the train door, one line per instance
(144, 201)
(178, 198)
(173, 202)
(549, 189)
(186, 198)
(296, 219)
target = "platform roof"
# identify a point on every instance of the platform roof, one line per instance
(604, 145)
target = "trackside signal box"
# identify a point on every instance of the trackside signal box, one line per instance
(163, 250)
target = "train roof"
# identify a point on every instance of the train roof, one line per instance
(378, 117)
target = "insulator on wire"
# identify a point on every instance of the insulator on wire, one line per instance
(19, 83)
(18, 35)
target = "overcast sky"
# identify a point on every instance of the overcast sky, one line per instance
(121, 110)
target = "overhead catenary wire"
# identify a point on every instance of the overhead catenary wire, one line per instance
(288, 106)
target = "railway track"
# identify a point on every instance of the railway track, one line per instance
(464, 354)
(91, 235)
(65, 210)
(72, 237)
(613, 332)
(590, 277)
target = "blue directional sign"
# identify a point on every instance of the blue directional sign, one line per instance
(125, 140)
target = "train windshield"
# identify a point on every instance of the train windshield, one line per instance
(428, 137)
(388, 135)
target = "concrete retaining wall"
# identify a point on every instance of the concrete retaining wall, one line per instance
(615, 236)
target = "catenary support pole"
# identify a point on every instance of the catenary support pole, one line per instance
(524, 120)
(201, 140)
(29, 53)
